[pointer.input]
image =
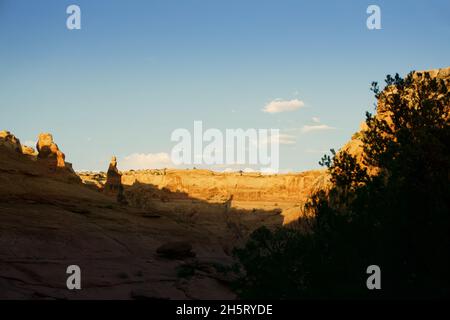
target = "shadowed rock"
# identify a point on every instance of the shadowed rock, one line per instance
(176, 250)
(113, 185)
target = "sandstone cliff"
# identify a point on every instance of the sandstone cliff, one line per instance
(218, 187)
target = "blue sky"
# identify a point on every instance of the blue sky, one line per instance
(137, 70)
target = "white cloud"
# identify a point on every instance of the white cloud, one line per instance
(316, 127)
(279, 105)
(29, 143)
(316, 119)
(281, 138)
(146, 161)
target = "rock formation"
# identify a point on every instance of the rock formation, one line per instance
(29, 151)
(113, 185)
(49, 152)
(10, 142)
(219, 187)
(113, 177)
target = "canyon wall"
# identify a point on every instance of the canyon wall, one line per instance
(218, 187)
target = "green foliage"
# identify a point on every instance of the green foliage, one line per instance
(389, 208)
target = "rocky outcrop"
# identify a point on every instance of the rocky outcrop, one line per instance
(29, 151)
(113, 185)
(113, 178)
(49, 152)
(10, 142)
(95, 180)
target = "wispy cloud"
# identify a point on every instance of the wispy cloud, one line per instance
(284, 138)
(29, 143)
(281, 138)
(316, 127)
(146, 161)
(279, 105)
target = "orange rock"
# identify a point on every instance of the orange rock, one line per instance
(49, 151)
(9, 141)
(29, 151)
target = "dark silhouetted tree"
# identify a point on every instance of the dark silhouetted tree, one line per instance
(390, 207)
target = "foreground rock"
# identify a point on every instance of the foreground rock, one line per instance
(176, 250)
(48, 223)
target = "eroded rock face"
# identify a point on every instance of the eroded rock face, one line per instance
(9, 141)
(195, 193)
(219, 187)
(49, 151)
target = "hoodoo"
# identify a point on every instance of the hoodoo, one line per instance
(113, 185)
(49, 151)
